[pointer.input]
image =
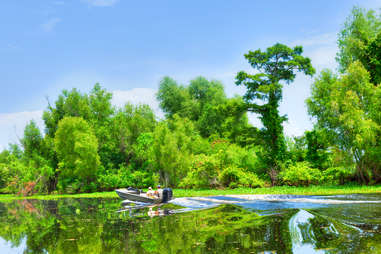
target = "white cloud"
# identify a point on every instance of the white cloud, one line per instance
(137, 96)
(321, 49)
(12, 125)
(317, 40)
(101, 3)
(49, 25)
(323, 57)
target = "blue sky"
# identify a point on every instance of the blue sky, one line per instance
(128, 46)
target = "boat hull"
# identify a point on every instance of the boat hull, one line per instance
(133, 196)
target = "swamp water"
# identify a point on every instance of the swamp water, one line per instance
(234, 224)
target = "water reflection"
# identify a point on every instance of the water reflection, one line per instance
(238, 225)
(302, 235)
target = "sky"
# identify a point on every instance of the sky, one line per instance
(129, 46)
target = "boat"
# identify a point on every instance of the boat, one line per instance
(136, 195)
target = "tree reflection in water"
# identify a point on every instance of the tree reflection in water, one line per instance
(94, 226)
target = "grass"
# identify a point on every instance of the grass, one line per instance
(311, 190)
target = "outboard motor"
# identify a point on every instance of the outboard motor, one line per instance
(167, 195)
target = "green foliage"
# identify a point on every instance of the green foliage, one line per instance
(4, 169)
(232, 154)
(203, 172)
(174, 143)
(206, 140)
(4, 176)
(227, 165)
(125, 177)
(205, 103)
(125, 128)
(76, 147)
(94, 107)
(345, 107)
(296, 148)
(317, 149)
(373, 63)
(71, 103)
(277, 64)
(337, 175)
(234, 177)
(171, 96)
(300, 174)
(13, 172)
(359, 31)
(32, 141)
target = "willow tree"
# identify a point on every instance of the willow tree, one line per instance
(348, 107)
(274, 67)
(77, 151)
(357, 41)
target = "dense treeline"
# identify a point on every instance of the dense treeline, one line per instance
(205, 139)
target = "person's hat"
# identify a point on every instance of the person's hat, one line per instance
(149, 188)
(158, 186)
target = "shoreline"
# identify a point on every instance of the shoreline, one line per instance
(277, 190)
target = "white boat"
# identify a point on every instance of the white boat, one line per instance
(138, 196)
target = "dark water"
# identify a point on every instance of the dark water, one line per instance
(236, 224)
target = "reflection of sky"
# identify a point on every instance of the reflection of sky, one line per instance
(276, 205)
(302, 236)
(7, 247)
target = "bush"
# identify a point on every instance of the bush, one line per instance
(13, 174)
(233, 177)
(203, 173)
(232, 154)
(125, 177)
(4, 176)
(143, 179)
(337, 175)
(301, 174)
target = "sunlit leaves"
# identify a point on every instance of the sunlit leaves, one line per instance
(345, 107)
(77, 150)
(276, 66)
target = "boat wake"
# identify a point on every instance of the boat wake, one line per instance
(265, 202)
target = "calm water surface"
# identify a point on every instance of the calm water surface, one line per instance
(235, 224)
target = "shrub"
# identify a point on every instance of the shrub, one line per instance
(300, 174)
(337, 175)
(125, 177)
(203, 173)
(143, 179)
(233, 177)
(4, 176)
(232, 154)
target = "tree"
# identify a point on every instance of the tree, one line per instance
(32, 141)
(76, 147)
(373, 65)
(95, 108)
(359, 40)
(317, 148)
(205, 103)
(348, 107)
(69, 103)
(277, 65)
(175, 141)
(171, 96)
(126, 126)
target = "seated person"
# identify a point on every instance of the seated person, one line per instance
(150, 192)
(159, 192)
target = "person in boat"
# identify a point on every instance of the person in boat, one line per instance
(150, 193)
(159, 192)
